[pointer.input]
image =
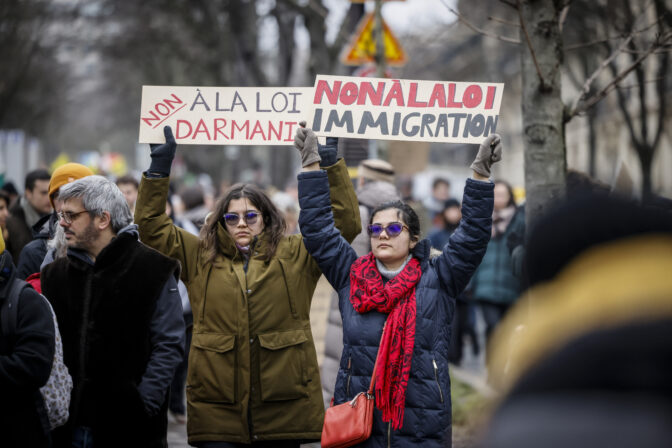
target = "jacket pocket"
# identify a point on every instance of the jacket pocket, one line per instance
(282, 365)
(212, 368)
(294, 286)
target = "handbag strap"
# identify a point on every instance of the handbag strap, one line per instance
(375, 365)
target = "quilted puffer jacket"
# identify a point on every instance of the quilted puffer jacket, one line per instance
(427, 417)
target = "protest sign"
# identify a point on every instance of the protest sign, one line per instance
(223, 115)
(400, 109)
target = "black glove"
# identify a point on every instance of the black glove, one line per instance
(329, 152)
(489, 152)
(306, 142)
(163, 154)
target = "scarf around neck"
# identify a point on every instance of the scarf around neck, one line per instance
(397, 299)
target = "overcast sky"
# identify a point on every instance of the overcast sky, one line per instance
(403, 17)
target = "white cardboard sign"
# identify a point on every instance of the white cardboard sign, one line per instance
(400, 109)
(223, 115)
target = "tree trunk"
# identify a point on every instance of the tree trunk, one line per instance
(646, 160)
(543, 123)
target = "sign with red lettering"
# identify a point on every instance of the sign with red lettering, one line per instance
(223, 115)
(401, 109)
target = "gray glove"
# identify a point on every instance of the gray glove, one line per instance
(489, 152)
(306, 142)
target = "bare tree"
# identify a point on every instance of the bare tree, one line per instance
(32, 81)
(540, 25)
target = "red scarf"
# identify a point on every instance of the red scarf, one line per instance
(397, 298)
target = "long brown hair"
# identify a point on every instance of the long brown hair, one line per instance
(274, 223)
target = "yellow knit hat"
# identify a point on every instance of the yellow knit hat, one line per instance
(65, 174)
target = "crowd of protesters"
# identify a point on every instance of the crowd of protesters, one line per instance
(169, 304)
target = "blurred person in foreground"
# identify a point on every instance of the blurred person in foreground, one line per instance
(375, 185)
(253, 376)
(584, 359)
(27, 211)
(397, 303)
(494, 285)
(26, 357)
(120, 319)
(33, 253)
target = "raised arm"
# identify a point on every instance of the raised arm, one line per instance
(314, 157)
(322, 239)
(467, 245)
(156, 228)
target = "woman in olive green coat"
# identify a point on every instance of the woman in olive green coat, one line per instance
(253, 373)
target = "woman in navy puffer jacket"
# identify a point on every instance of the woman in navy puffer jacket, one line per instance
(400, 284)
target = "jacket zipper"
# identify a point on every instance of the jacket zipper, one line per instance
(389, 434)
(347, 382)
(436, 377)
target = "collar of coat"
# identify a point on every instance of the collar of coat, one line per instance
(611, 285)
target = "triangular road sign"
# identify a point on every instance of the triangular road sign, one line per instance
(363, 48)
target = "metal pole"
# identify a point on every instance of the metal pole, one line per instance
(380, 43)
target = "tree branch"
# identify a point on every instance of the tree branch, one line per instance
(663, 69)
(505, 22)
(587, 85)
(607, 39)
(617, 79)
(474, 28)
(563, 15)
(511, 4)
(529, 45)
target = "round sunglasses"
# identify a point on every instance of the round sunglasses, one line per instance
(250, 218)
(393, 229)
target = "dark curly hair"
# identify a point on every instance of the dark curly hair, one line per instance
(405, 213)
(274, 223)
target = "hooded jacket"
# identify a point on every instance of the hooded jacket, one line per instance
(427, 417)
(253, 372)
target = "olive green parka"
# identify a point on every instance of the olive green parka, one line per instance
(253, 372)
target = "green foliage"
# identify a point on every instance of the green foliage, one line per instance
(468, 403)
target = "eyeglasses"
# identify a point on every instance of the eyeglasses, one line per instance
(250, 218)
(393, 229)
(68, 217)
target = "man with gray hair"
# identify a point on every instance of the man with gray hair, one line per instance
(120, 318)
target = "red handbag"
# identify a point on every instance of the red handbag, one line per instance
(350, 423)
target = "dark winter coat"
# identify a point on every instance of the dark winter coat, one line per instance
(371, 195)
(105, 313)
(33, 253)
(25, 364)
(20, 233)
(253, 372)
(427, 418)
(494, 281)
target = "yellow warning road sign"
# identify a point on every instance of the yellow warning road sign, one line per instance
(362, 49)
